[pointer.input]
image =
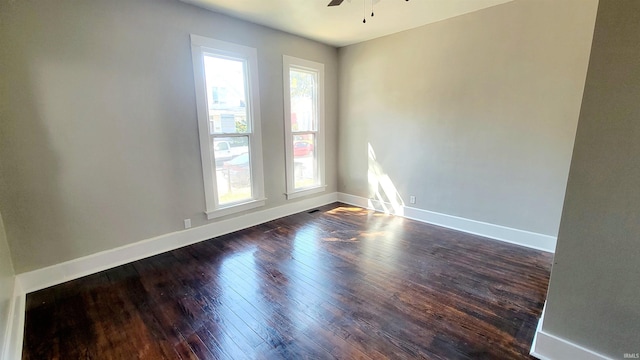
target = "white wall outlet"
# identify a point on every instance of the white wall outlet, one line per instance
(412, 199)
(187, 223)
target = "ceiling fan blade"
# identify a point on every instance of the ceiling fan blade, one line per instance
(335, 2)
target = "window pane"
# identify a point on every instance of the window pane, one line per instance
(233, 170)
(303, 100)
(226, 95)
(305, 161)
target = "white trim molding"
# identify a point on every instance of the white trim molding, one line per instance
(91, 264)
(15, 325)
(201, 48)
(306, 192)
(546, 346)
(316, 70)
(235, 208)
(6, 340)
(497, 232)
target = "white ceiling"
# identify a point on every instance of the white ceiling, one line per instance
(342, 25)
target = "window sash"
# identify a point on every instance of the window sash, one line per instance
(314, 95)
(305, 163)
(247, 96)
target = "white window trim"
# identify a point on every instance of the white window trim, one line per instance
(287, 63)
(199, 46)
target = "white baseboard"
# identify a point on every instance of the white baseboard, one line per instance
(91, 264)
(15, 325)
(546, 346)
(493, 231)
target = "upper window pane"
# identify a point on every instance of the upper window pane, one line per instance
(303, 87)
(226, 95)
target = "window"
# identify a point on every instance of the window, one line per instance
(228, 109)
(304, 126)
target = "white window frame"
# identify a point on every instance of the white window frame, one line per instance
(289, 62)
(200, 46)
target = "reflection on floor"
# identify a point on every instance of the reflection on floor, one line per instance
(340, 283)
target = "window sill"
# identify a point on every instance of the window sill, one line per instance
(305, 192)
(235, 208)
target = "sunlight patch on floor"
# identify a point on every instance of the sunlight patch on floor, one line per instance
(347, 209)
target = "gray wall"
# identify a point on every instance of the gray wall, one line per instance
(474, 115)
(7, 279)
(99, 140)
(594, 294)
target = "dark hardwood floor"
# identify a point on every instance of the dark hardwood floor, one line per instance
(341, 283)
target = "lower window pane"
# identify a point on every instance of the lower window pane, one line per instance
(233, 174)
(305, 161)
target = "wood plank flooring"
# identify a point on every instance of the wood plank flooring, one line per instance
(338, 283)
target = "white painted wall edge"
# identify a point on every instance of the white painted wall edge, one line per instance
(91, 264)
(546, 346)
(4, 348)
(493, 231)
(15, 326)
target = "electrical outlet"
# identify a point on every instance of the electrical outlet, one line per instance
(187, 223)
(412, 199)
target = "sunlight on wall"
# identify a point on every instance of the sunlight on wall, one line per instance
(383, 195)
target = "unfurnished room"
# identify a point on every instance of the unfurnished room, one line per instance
(320, 179)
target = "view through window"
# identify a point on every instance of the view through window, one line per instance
(304, 126)
(303, 85)
(229, 127)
